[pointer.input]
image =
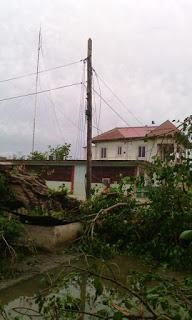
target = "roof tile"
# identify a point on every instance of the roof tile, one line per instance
(166, 128)
(136, 132)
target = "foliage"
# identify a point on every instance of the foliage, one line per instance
(115, 222)
(170, 210)
(147, 230)
(6, 195)
(9, 228)
(186, 235)
(69, 206)
(109, 232)
(60, 152)
(3, 183)
(61, 190)
(94, 292)
(37, 155)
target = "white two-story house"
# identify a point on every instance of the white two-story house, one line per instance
(135, 143)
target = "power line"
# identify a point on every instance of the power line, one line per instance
(95, 108)
(118, 114)
(42, 91)
(66, 117)
(99, 87)
(120, 117)
(114, 109)
(49, 96)
(81, 121)
(41, 71)
(115, 95)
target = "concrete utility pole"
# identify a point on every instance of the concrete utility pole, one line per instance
(89, 120)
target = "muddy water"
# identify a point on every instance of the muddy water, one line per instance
(121, 265)
(24, 289)
(21, 295)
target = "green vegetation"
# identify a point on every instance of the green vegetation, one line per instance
(10, 230)
(117, 223)
(186, 235)
(96, 292)
(158, 229)
(150, 229)
(60, 152)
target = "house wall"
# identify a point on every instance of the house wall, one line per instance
(130, 149)
(79, 181)
(72, 173)
(56, 184)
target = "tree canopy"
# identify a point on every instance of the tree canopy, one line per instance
(60, 152)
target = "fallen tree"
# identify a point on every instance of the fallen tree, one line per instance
(21, 189)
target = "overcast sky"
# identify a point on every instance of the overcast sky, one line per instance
(141, 48)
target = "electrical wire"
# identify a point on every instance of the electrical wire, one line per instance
(49, 96)
(117, 113)
(81, 121)
(99, 87)
(10, 118)
(52, 120)
(41, 71)
(95, 109)
(66, 117)
(58, 126)
(95, 127)
(119, 116)
(39, 92)
(115, 95)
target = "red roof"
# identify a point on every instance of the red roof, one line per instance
(136, 132)
(166, 128)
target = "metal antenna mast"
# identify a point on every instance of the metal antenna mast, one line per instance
(36, 87)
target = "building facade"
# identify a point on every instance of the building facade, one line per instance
(72, 173)
(135, 143)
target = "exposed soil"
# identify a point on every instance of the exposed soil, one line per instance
(32, 266)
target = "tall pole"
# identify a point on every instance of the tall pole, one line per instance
(89, 120)
(36, 86)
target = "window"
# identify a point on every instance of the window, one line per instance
(103, 153)
(141, 152)
(119, 151)
(165, 150)
(106, 181)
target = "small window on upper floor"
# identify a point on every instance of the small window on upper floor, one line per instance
(103, 153)
(141, 152)
(119, 151)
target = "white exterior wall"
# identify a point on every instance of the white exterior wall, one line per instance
(56, 184)
(129, 149)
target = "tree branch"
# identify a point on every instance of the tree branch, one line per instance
(119, 284)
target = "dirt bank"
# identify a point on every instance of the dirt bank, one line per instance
(35, 265)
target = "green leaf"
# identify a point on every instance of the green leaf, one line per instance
(186, 235)
(117, 316)
(98, 287)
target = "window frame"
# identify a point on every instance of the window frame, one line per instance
(119, 148)
(141, 152)
(103, 153)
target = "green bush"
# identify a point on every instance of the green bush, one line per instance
(147, 230)
(10, 230)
